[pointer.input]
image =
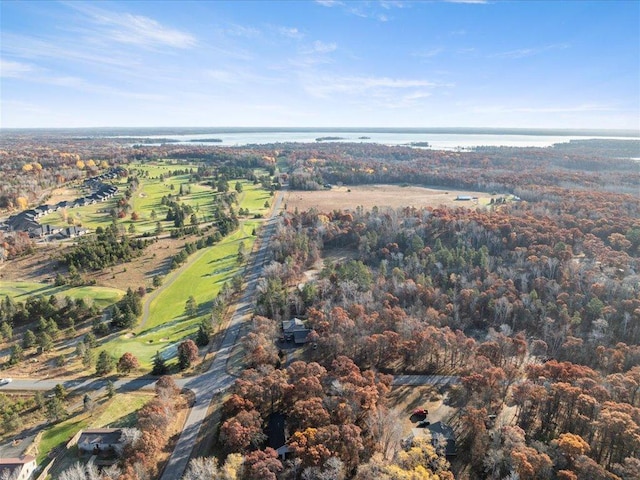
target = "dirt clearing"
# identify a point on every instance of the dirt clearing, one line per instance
(368, 196)
(408, 398)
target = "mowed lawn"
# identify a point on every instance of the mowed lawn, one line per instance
(202, 277)
(100, 296)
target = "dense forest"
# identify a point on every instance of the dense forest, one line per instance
(534, 304)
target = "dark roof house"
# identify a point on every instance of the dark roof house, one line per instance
(96, 441)
(295, 330)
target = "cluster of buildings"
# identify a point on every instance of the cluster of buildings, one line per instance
(27, 220)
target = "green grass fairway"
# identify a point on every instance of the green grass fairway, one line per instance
(100, 296)
(203, 278)
(253, 198)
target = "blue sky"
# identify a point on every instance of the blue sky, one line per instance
(573, 64)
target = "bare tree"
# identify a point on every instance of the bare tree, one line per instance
(79, 471)
(201, 468)
(386, 428)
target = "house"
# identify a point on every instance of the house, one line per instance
(96, 441)
(72, 232)
(464, 197)
(295, 330)
(17, 468)
(277, 434)
(440, 433)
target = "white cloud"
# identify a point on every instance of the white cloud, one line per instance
(9, 69)
(133, 29)
(429, 53)
(319, 47)
(329, 3)
(365, 9)
(528, 52)
(222, 76)
(290, 32)
(382, 87)
(555, 109)
(389, 4)
(477, 2)
(243, 31)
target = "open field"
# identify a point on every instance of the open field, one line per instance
(368, 196)
(204, 274)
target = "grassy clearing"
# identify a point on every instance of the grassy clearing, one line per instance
(253, 198)
(121, 410)
(100, 296)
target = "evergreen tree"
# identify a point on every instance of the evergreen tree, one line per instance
(29, 339)
(105, 363)
(111, 389)
(191, 307)
(88, 403)
(17, 354)
(44, 341)
(202, 337)
(55, 409)
(159, 365)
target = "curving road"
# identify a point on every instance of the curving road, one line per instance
(216, 379)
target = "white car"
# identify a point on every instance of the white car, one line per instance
(4, 381)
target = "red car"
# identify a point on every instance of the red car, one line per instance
(421, 411)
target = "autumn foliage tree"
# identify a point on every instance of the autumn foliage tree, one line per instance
(127, 362)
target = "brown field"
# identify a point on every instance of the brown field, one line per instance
(40, 267)
(368, 196)
(62, 194)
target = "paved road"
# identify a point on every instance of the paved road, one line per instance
(399, 380)
(218, 367)
(216, 379)
(91, 384)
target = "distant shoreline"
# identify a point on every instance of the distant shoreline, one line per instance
(143, 131)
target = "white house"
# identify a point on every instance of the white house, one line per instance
(18, 468)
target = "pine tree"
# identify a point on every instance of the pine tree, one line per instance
(159, 365)
(202, 337)
(105, 363)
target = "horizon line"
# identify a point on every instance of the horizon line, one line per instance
(541, 131)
